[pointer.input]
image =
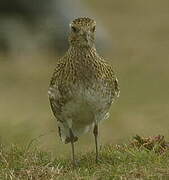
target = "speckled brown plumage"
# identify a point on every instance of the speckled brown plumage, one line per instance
(83, 84)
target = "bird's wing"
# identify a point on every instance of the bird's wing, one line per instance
(111, 76)
(115, 84)
(59, 89)
(55, 93)
(116, 87)
(55, 101)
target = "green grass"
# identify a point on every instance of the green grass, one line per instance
(116, 162)
(139, 44)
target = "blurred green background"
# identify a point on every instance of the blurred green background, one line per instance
(134, 38)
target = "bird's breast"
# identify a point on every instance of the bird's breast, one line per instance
(86, 103)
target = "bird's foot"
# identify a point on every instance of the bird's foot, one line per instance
(71, 139)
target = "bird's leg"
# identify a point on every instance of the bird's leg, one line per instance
(72, 144)
(95, 132)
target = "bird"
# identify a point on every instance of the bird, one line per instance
(83, 86)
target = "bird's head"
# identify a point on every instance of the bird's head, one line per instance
(82, 32)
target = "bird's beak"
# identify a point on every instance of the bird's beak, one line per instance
(85, 36)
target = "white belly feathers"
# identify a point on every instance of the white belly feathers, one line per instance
(86, 108)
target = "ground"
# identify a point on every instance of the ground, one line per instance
(119, 162)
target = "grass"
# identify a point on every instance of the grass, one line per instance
(116, 162)
(138, 32)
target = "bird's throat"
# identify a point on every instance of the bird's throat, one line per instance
(86, 52)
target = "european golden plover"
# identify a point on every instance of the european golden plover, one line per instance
(83, 85)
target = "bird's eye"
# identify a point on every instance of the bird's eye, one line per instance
(74, 29)
(93, 29)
